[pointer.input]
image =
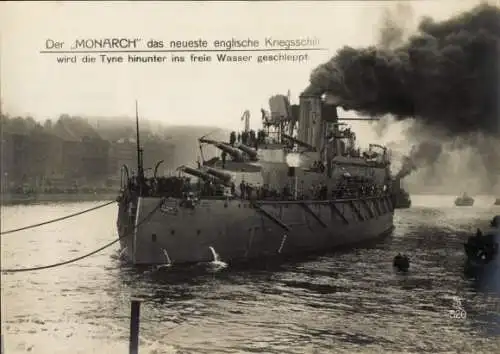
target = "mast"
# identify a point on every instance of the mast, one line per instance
(246, 117)
(1, 98)
(140, 167)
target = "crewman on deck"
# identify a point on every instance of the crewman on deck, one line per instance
(242, 189)
(248, 191)
(186, 185)
(324, 192)
(224, 156)
(244, 137)
(286, 192)
(253, 137)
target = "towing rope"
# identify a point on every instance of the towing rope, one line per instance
(76, 259)
(56, 220)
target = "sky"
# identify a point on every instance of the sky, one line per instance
(186, 93)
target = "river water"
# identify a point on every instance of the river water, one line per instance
(348, 302)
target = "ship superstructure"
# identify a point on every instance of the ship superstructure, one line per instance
(299, 185)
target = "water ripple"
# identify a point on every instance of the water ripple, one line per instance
(350, 302)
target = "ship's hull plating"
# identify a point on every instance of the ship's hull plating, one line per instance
(240, 230)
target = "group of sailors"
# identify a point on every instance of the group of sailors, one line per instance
(249, 138)
(318, 166)
(181, 187)
(314, 192)
(176, 187)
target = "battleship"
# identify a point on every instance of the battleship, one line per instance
(464, 200)
(300, 185)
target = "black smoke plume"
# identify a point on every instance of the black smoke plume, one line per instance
(420, 155)
(446, 76)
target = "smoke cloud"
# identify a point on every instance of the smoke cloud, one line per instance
(446, 77)
(394, 29)
(426, 153)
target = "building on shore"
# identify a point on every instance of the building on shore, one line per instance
(71, 153)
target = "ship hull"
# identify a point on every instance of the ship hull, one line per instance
(402, 204)
(461, 203)
(240, 230)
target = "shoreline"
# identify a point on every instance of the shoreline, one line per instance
(18, 198)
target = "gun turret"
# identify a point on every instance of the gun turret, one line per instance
(201, 174)
(195, 172)
(298, 142)
(226, 177)
(249, 151)
(236, 154)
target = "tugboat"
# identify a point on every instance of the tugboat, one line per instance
(464, 200)
(401, 197)
(299, 186)
(482, 249)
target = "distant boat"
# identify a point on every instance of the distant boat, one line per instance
(401, 197)
(497, 201)
(464, 200)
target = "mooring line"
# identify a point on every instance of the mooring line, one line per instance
(56, 220)
(76, 259)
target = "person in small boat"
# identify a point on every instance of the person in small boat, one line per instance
(474, 240)
(495, 222)
(473, 244)
(401, 262)
(482, 247)
(490, 247)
